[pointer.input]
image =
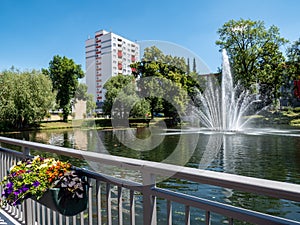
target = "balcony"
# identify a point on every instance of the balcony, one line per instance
(114, 200)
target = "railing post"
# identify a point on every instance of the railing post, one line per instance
(26, 152)
(28, 212)
(149, 201)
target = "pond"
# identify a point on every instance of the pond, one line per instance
(269, 153)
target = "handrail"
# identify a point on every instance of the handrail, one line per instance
(149, 190)
(270, 188)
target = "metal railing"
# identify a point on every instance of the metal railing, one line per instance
(114, 200)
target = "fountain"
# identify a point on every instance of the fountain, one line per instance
(223, 107)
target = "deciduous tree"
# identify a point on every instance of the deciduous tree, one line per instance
(121, 98)
(25, 97)
(255, 55)
(64, 74)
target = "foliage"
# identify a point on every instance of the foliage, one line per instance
(120, 96)
(25, 97)
(141, 109)
(255, 56)
(170, 70)
(81, 94)
(293, 55)
(72, 183)
(33, 177)
(154, 54)
(64, 74)
(90, 104)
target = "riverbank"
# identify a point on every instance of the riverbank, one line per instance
(93, 123)
(286, 116)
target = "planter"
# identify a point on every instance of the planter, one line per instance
(54, 199)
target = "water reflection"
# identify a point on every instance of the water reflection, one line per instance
(263, 153)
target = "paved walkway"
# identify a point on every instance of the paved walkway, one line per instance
(2, 222)
(5, 219)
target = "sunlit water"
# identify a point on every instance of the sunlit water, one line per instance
(264, 153)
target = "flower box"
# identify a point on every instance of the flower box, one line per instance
(53, 183)
(55, 199)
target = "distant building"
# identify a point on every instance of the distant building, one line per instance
(107, 54)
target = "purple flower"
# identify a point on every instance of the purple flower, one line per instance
(24, 188)
(10, 185)
(35, 183)
(17, 192)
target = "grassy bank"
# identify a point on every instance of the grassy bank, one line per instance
(286, 116)
(96, 123)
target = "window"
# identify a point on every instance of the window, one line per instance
(120, 54)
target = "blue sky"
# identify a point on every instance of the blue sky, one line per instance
(33, 31)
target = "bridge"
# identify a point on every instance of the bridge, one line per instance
(117, 200)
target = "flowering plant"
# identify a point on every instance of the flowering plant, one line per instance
(33, 177)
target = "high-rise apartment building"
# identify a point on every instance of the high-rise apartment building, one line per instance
(107, 54)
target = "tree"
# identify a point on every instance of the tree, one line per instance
(255, 56)
(64, 74)
(293, 68)
(194, 66)
(154, 54)
(188, 69)
(81, 94)
(121, 99)
(293, 55)
(170, 87)
(25, 97)
(90, 104)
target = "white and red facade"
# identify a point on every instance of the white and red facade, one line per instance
(107, 54)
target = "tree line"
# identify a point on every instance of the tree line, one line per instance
(27, 97)
(159, 83)
(257, 63)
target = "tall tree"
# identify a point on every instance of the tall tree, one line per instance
(194, 66)
(154, 54)
(121, 98)
(293, 55)
(169, 88)
(293, 67)
(255, 55)
(188, 69)
(64, 74)
(81, 94)
(25, 97)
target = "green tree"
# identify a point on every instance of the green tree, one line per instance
(169, 93)
(293, 60)
(154, 54)
(25, 97)
(194, 66)
(64, 74)
(161, 92)
(255, 55)
(81, 94)
(120, 96)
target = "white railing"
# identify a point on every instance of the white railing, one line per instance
(114, 200)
